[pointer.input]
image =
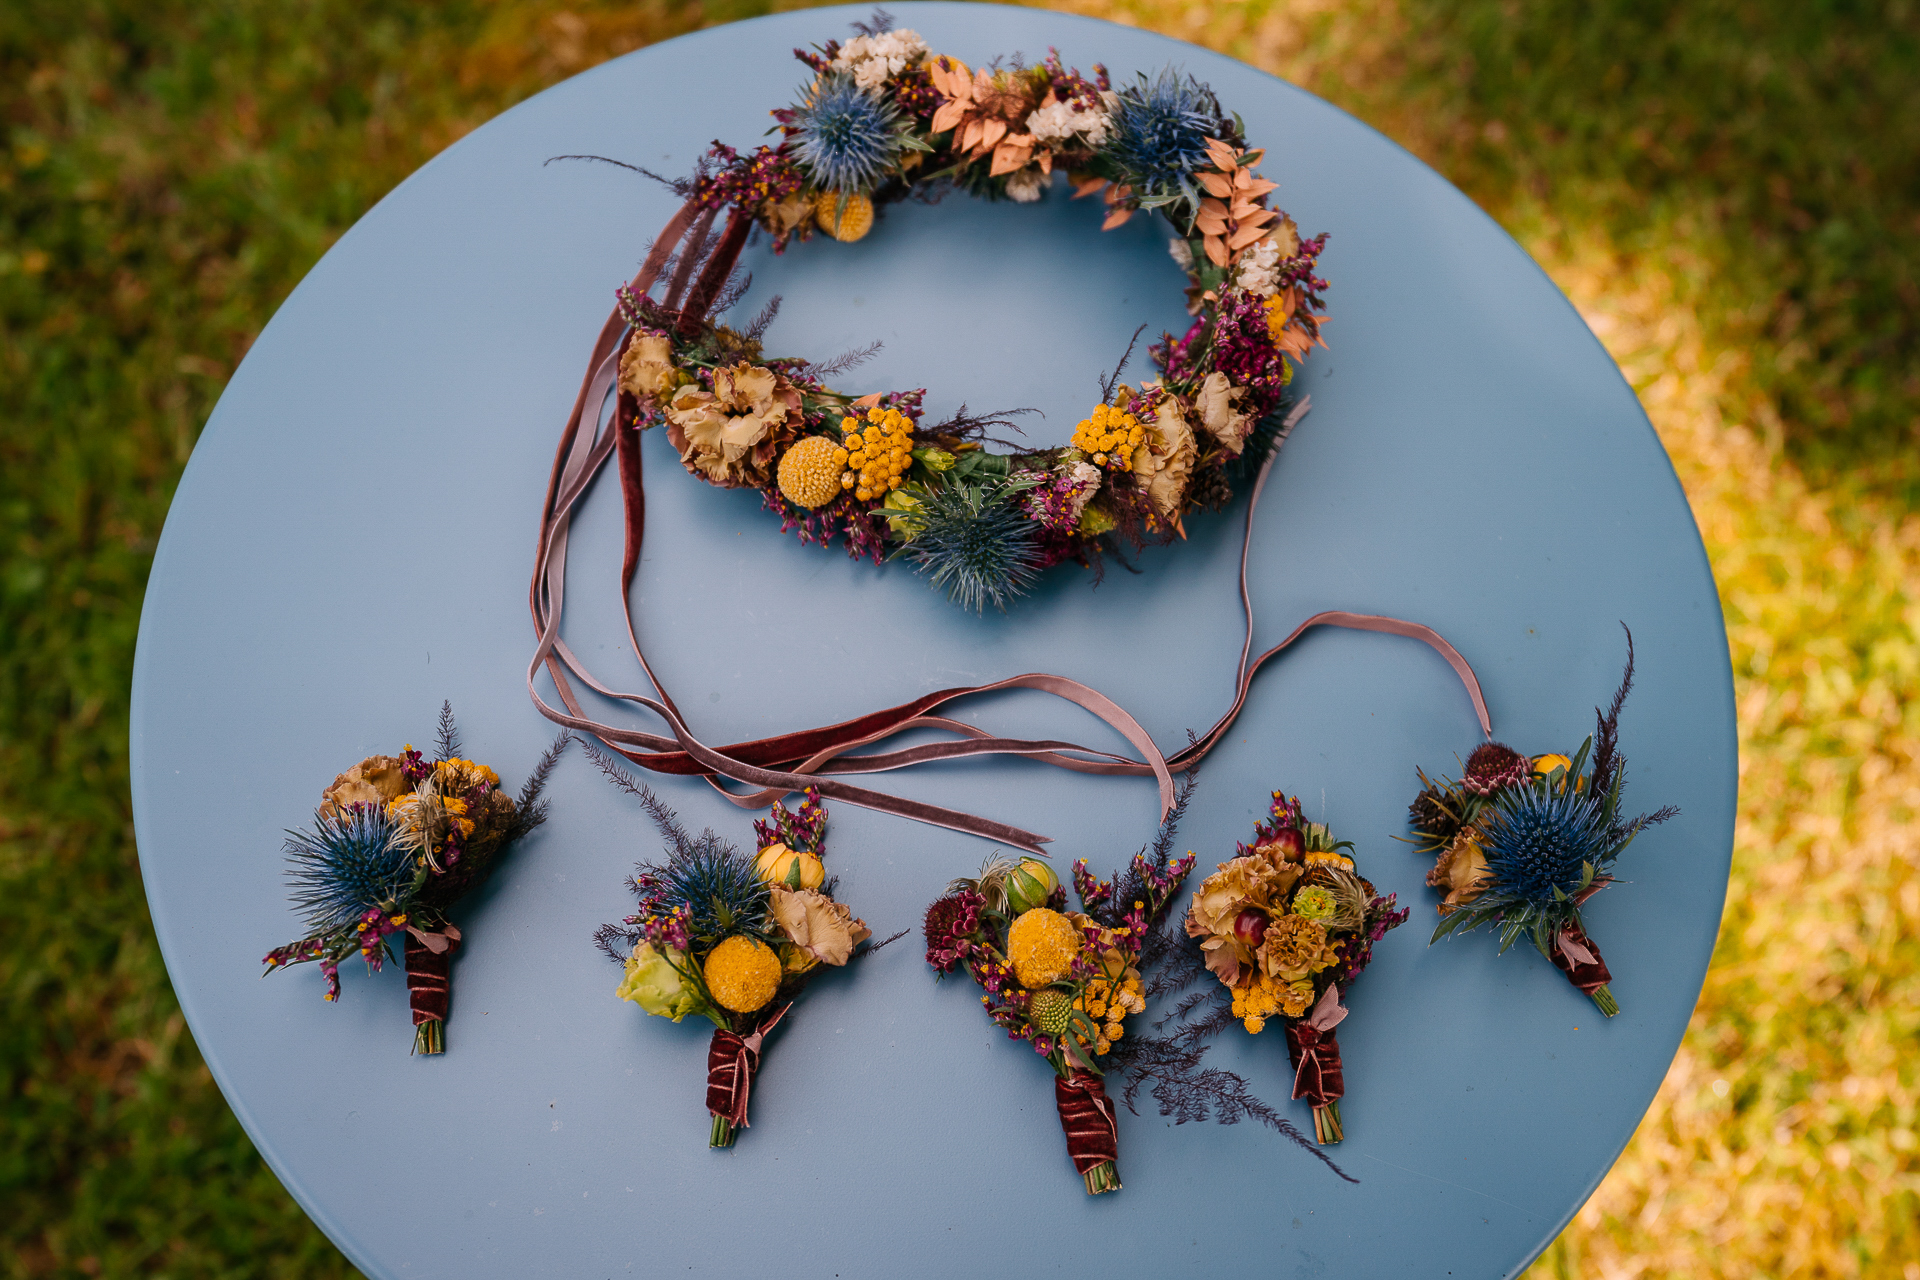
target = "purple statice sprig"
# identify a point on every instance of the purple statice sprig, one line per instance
(802, 832)
(1380, 917)
(1094, 892)
(1073, 88)
(730, 179)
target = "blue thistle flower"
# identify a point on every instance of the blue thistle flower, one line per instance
(844, 139)
(976, 543)
(1537, 839)
(352, 862)
(717, 884)
(1158, 134)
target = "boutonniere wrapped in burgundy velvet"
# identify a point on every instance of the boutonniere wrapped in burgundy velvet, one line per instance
(1522, 842)
(731, 937)
(1066, 982)
(397, 841)
(1286, 926)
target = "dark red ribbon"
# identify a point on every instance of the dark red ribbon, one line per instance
(786, 763)
(430, 976)
(731, 1062)
(1575, 955)
(1315, 1052)
(1088, 1120)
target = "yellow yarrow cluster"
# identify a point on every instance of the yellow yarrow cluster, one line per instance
(742, 974)
(1042, 945)
(1262, 997)
(810, 472)
(1109, 1001)
(876, 453)
(1109, 436)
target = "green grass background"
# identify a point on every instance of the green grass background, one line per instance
(1728, 189)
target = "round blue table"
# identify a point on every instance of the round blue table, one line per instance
(351, 545)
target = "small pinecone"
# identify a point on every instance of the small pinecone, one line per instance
(1050, 1011)
(1494, 765)
(1429, 817)
(1210, 490)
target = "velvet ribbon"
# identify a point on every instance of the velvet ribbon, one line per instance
(1575, 955)
(732, 1060)
(430, 973)
(1087, 1118)
(1315, 1053)
(777, 766)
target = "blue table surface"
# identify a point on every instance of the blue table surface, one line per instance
(351, 545)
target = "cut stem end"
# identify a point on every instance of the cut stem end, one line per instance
(1102, 1177)
(430, 1036)
(1326, 1124)
(1604, 999)
(723, 1133)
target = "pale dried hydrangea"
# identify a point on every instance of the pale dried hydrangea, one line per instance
(1061, 122)
(1181, 252)
(874, 60)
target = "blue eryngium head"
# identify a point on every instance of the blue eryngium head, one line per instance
(717, 883)
(352, 862)
(844, 139)
(1159, 130)
(1536, 838)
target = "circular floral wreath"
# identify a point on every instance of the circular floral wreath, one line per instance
(883, 119)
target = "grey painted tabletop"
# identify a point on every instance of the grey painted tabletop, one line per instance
(351, 545)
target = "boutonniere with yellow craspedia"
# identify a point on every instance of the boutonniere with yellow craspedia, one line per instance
(1522, 842)
(731, 936)
(397, 841)
(1286, 926)
(1067, 982)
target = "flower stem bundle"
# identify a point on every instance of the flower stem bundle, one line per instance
(396, 842)
(1286, 926)
(731, 937)
(1522, 842)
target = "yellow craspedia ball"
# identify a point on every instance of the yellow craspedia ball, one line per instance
(809, 476)
(843, 217)
(742, 974)
(1042, 945)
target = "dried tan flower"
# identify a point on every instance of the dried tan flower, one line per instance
(731, 435)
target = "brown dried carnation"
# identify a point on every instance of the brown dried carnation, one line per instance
(732, 435)
(375, 780)
(1461, 870)
(1295, 948)
(818, 926)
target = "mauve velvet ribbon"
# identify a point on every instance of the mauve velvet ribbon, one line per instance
(1575, 955)
(1317, 1076)
(1086, 1117)
(585, 446)
(731, 1061)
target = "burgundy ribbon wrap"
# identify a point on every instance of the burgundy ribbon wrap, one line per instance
(731, 1061)
(1316, 1054)
(1087, 1118)
(786, 763)
(430, 973)
(1575, 955)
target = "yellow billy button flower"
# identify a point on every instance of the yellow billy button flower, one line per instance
(878, 453)
(1042, 945)
(844, 217)
(742, 974)
(1109, 436)
(810, 472)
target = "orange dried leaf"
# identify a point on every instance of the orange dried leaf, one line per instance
(1085, 186)
(1244, 237)
(1217, 251)
(1116, 218)
(1216, 184)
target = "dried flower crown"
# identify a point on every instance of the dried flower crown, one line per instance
(884, 119)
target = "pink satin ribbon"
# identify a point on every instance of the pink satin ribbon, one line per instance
(583, 453)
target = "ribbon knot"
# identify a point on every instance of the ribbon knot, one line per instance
(1087, 1118)
(732, 1060)
(1315, 1052)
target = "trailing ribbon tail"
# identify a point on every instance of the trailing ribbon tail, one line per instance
(775, 766)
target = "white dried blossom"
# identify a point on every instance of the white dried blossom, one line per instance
(1061, 121)
(1181, 252)
(1259, 271)
(874, 60)
(1026, 186)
